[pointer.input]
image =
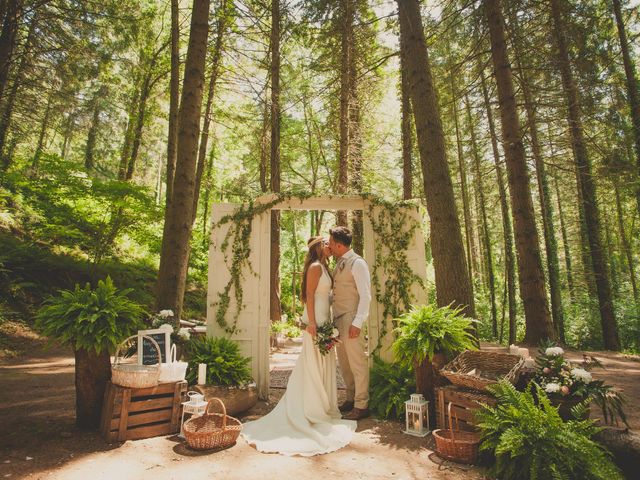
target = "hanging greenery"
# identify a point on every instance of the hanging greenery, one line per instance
(393, 228)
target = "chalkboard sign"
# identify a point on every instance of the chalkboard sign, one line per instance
(147, 353)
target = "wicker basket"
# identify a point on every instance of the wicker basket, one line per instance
(477, 370)
(135, 375)
(212, 430)
(457, 446)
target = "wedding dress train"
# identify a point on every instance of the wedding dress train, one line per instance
(306, 420)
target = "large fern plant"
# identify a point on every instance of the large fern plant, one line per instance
(391, 385)
(225, 364)
(531, 441)
(427, 329)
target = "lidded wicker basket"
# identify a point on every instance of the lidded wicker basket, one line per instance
(457, 446)
(135, 375)
(212, 430)
(478, 369)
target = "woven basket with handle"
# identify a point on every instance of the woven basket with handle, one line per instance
(478, 369)
(135, 375)
(212, 430)
(457, 446)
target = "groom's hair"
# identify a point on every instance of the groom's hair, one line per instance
(341, 235)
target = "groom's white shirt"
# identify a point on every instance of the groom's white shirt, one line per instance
(362, 278)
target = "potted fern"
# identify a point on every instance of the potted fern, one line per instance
(427, 334)
(93, 322)
(228, 372)
(528, 439)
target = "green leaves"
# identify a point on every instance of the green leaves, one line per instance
(88, 319)
(530, 440)
(225, 364)
(427, 329)
(391, 386)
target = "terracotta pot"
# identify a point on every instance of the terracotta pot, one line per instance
(236, 399)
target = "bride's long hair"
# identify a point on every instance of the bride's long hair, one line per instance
(316, 246)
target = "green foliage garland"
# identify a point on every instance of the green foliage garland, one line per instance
(394, 229)
(392, 224)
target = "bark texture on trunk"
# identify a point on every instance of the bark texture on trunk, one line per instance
(587, 184)
(178, 217)
(8, 35)
(174, 100)
(92, 372)
(452, 277)
(532, 288)
(406, 129)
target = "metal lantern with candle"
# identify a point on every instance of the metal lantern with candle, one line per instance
(417, 416)
(195, 406)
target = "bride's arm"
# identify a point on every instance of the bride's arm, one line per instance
(313, 277)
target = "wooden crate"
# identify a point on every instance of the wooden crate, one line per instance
(133, 413)
(464, 403)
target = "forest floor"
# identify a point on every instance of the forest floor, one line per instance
(39, 439)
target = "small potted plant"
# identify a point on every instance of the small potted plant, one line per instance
(228, 372)
(427, 334)
(567, 384)
(93, 323)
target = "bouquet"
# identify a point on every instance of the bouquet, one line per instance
(326, 337)
(562, 380)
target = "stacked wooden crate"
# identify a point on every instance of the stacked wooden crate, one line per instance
(464, 403)
(134, 413)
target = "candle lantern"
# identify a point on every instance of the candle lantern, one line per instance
(196, 406)
(417, 416)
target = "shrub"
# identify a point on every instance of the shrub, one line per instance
(391, 386)
(225, 364)
(530, 441)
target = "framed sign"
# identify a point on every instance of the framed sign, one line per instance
(147, 354)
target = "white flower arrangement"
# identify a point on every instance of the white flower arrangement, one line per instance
(335, 332)
(184, 333)
(582, 375)
(556, 351)
(165, 313)
(552, 387)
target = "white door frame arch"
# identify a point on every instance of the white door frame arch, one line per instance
(254, 320)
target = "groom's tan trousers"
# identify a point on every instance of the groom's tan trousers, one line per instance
(354, 364)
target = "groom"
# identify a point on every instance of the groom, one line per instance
(351, 298)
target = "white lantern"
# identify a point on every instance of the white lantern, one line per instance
(417, 416)
(196, 406)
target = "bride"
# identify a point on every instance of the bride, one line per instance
(307, 421)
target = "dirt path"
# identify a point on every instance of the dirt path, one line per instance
(38, 438)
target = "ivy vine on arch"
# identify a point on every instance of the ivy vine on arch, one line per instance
(392, 226)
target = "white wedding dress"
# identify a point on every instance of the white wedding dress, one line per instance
(306, 420)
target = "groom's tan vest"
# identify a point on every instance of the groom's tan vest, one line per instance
(345, 292)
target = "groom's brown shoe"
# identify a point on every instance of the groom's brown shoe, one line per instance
(346, 407)
(357, 414)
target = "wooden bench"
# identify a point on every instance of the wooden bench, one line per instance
(134, 413)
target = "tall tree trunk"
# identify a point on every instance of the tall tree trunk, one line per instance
(8, 34)
(216, 62)
(139, 125)
(355, 151)
(93, 132)
(275, 309)
(264, 146)
(92, 372)
(347, 9)
(509, 258)
(7, 112)
(546, 207)
(174, 101)
(69, 127)
(626, 246)
(485, 223)
(43, 131)
(632, 87)
(125, 153)
(466, 210)
(588, 188)
(565, 245)
(406, 129)
(532, 288)
(453, 284)
(175, 241)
